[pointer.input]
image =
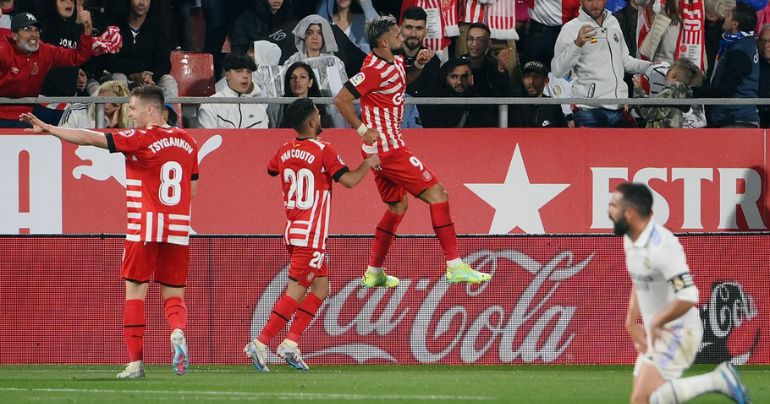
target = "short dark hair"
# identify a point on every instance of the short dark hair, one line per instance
(745, 16)
(480, 25)
(298, 112)
(378, 27)
(638, 196)
(237, 61)
(149, 93)
(415, 13)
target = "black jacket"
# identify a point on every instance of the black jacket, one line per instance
(537, 116)
(65, 33)
(259, 24)
(764, 92)
(489, 82)
(150, 50)
(426, 82)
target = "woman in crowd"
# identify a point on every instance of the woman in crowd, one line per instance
(83, 116)
(299, 81)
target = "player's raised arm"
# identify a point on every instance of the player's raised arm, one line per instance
(77, 136)
(351, 178)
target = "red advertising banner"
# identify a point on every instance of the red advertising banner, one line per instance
(552, 299)
(499, 181)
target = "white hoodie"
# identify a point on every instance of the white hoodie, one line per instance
(598, 66)
(236, 115)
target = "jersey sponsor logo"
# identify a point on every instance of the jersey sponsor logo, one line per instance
(358, 79)
(398, 98)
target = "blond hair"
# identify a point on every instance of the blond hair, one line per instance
(689, 74)
(120, 90)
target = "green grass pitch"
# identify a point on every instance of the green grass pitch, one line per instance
(366, 383)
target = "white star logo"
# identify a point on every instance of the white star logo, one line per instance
(517, 202)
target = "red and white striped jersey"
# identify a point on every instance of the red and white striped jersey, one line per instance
(381, 86)
(161, 163)
(554, 13)
(307, 168)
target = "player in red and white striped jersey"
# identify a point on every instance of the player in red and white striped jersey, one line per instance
(306, 166)
(381, 85)
(161, 178)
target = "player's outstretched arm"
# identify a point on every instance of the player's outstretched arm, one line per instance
(77, 136)
(352, 178)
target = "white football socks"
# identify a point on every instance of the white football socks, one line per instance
(681, 390)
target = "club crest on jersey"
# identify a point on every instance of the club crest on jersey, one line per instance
(358, 79)
(127, 133)
(426, 175)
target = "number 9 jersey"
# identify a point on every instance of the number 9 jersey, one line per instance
(161, 164)
(306, 168)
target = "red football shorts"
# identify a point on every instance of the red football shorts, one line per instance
(169, 263)
(306, 264)
(401, 172)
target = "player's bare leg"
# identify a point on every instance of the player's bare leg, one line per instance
(309, 304)
(457, 271)
(134, 324)
(383, 237)
(650, 387)
(176, 316)
(645, 383)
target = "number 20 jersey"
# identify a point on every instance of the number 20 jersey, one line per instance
(306, 168)
(160, 165)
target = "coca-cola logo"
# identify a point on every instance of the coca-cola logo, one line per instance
(728, 330)
(445, 319)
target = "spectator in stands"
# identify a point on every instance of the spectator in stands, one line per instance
(491, 76)
(736, 74)
(220, 17)
(546, 19)
(83, 116)
(413, 29)
(715, 17)
(267, 20)
(592, 49)
(660, 41)
(25, 61)
(145, 55)
(627, 18)
(680, 78)
(300, 82)
(238, 74)
(534, 79)
(457, 81)
(349, 16)
(62, 28)
(316, 46)
(763, 47)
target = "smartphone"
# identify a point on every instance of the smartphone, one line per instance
(600, 33)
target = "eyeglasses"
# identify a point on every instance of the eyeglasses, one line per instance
(480, 39)
(31, 28)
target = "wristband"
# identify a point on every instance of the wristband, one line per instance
(362, 129)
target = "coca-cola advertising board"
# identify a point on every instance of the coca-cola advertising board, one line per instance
(499, 181)
(552, 300)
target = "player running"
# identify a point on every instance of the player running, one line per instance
(306, 167)
(665, 296)
(161, 179)
(381, 85)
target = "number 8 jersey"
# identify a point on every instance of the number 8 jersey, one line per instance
(306, 168)
(161, 163)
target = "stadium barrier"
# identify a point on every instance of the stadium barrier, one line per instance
(558, 299)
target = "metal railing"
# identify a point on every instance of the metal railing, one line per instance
(502, 102)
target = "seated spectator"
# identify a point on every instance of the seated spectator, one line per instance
(83, 116)
(300, 82)
(62, 29)
(736, 74)
(457, 81)
(349, 16)
(267, 20)
(534, 79)
(238, 74)
(145, 55)
(413, 29)
(316, 46)
(490, 73)
(25, 61)
(591, 48)
(680, 78)
(763, 46)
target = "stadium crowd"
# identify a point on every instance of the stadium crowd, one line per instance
(604, 49)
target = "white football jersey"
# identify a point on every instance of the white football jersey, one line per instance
(659, 271)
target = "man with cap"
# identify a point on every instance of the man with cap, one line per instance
(25, 61)
(534, 79)
(239, 69)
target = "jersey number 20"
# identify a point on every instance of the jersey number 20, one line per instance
(301, 188)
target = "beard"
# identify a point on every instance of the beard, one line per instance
(412, 43)
(27, 47)
(620, 226)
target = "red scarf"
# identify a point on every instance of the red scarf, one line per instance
(690, 43)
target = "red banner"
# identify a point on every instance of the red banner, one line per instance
(499, 181)
(558, 300)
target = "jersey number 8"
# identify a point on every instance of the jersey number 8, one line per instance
(301, 188)
(170, 191)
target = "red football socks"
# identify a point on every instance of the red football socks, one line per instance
(304, 315)
(133, 328)
(176, 313)
(383, 237)
(444, 229)
(281, 315)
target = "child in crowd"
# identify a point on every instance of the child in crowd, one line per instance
(681, 77)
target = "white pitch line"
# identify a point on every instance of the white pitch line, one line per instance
(255, 395)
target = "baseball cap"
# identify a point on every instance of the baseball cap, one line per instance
(24, 20)
(534, 67)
